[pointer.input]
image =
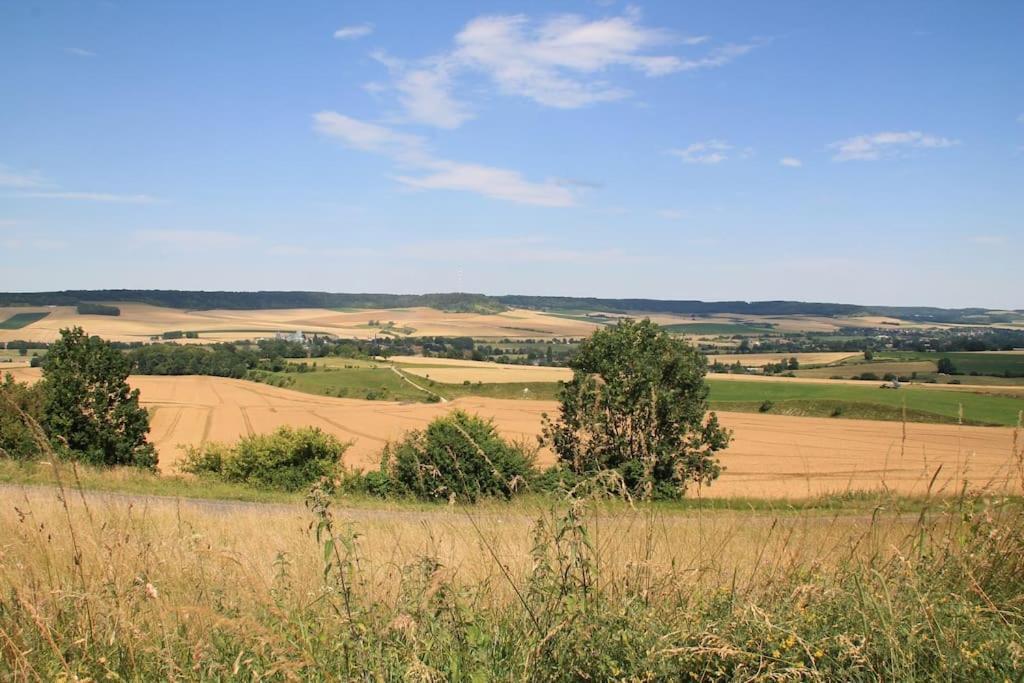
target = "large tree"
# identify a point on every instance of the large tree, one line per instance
(90, 409)
(637, 404)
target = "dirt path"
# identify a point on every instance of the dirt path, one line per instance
(424, 389)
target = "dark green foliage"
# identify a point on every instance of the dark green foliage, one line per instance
(289, 459)
(637, 404)
(946, 367)
(457, 455)
(20, 406)
(20, 320)
(222, 360)
(97, 309)
(90, 409)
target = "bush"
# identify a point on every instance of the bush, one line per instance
(458, 455)
(20, 404)
(288, 459)
(97, 309)
(766, 406)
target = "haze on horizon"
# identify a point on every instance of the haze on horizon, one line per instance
(869, 153)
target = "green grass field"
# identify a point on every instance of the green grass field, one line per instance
(381, 384)
(967, 361)
(849, 370)
(20, 320)
(715, 328)
(820, 399)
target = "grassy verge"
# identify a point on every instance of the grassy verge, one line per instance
(135, 482)
(110, 590)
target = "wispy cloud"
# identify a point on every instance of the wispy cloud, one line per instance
(437, 173)
(563, 62)
(672, 214)
(193, 239)
(886, 144)
(93, 197)
(353, 32)
(18, 179)
(706, 152)
(792, 162)
(79, 52)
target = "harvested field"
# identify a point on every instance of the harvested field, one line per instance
(453, 371)
(757, 360)
(139, 322)
(771, 456)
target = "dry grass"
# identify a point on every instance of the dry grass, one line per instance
(97, 586)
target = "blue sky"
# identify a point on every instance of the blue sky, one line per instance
(866, 152)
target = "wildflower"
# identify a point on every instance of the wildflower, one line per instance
(151, 591)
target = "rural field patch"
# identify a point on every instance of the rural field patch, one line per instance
(771, 455)
(19, 320)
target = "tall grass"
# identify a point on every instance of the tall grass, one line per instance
(101, 587)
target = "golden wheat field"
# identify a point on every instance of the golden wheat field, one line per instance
(139, 322)
(772, 456)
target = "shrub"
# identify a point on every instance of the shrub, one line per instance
(20, 404)
(458, 455)
(766, 406)
(288, 459)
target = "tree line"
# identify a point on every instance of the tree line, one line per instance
(480, 303)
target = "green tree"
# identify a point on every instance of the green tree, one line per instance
(946, 367)
(90, 409)
(637, 404)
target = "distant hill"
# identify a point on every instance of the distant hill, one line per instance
(481, 303)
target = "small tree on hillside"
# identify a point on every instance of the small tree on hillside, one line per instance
(637, 404)
(90, 408)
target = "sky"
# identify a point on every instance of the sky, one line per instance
(868, 152)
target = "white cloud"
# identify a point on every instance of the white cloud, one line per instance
(193, 239)
(79, 52)
(720, 56)
(890, 143)
(93, 197)
(370, 137)
(561, 62)
(672, 214)
(426, 96)
(10, 178)
(437, 173)
(706, 152)
(353, 32)
(792, 162)
(496, 183)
